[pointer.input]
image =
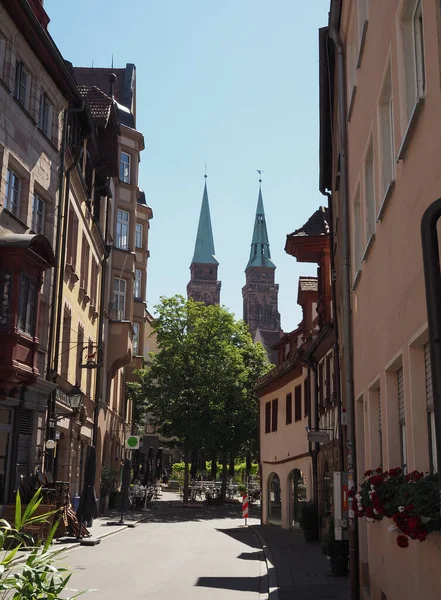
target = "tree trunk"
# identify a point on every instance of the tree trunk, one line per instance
(185, 493)
(224, 476)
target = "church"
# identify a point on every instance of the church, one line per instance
(260, 292)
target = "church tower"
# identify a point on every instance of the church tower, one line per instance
(203, 285)
(260, 308)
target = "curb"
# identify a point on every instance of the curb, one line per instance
(273, 589)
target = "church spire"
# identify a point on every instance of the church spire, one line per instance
(260, 255)
(204, 248)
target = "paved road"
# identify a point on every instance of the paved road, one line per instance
(177, 555)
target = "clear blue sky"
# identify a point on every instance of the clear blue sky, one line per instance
(231, 83)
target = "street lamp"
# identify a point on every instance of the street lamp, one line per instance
(75, 397)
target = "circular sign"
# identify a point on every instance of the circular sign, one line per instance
(132, 441)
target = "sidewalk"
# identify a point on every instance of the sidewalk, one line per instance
(297, 569)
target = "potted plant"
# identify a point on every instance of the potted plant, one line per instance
(337, 551)
(308, 519)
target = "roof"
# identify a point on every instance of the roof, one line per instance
(308, 284)
(100, 104)
(318, 224)
(260, 255)
(268, 339)
(35, 242)
(123, 88)
(141, 198)
(204, 252)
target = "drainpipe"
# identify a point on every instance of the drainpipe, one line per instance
(346, 303)
(96, 408)
(341, 462)
(58, 293)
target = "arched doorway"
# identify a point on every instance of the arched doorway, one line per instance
(274, 500)
(297, 495)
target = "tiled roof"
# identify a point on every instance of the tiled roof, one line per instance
(308, 284)
(100, 104)
(318, 224)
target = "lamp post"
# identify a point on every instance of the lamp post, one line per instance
(74, 399)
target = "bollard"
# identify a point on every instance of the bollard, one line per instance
(245, 507)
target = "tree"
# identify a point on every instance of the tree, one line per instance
(199, 387)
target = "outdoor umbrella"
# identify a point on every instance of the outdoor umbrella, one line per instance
(159, 456)
(125, 487)
(87, 506)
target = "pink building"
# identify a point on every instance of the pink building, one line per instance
(380, 103)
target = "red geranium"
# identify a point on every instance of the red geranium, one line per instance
(402, 541)
(376, 480)
(368, 473)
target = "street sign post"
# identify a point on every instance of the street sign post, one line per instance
(318, 436)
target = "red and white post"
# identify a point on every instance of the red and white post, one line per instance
(245, 504)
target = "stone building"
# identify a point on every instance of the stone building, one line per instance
(204, 285)
(36, 88)
(260, 292)
(380, 110)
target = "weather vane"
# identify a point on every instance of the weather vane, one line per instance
(260, 174)
(205, 171)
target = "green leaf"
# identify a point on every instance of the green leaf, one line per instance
(18, 511)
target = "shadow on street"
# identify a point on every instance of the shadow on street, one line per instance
(241, 584)
(172, 512)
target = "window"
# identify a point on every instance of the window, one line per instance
(65, 345)
(307, 396)
(357, 233)
(13, 189)
(362, 17)
(288, 409)
(22, 81)
(274, 414)
(135, 339)
(430, 412)
(27, 304)
(369, 192)
(94, 284)
(321, 391)
(138, 284)
(72, 238)
(267, 417)
(85, 255)
(138, 238)
(80, 348)
(122, 230)
(45, 116)
(328, 378)
(387, 145)
(401, 416)
(413, 55)
(124, 167)
(37, 214)
(90, 350)
(2, 54)
(298, 403)
(119, 299)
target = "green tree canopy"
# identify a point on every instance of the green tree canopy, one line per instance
(199, 387)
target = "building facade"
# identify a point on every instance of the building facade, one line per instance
(36, 89)
(380, 105)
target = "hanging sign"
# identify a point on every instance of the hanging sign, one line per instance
(132, 442)
(318, 436)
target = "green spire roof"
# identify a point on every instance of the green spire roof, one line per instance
(204, 247)
(260, 255)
